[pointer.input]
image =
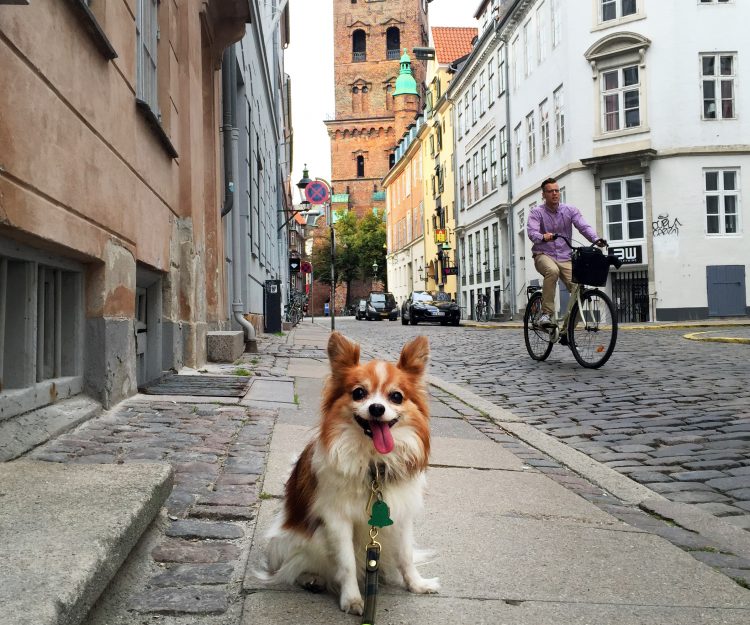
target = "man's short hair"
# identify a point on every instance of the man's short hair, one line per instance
(548, 181)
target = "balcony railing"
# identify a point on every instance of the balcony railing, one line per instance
(393, 55)
(359, 57)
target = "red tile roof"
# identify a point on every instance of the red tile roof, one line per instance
(452, 43)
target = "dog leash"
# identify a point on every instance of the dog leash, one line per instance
(379, 517)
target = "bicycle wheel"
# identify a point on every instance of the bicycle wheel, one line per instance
(538, 342)
(592, 331)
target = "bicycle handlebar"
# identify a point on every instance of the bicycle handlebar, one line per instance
(613, 260)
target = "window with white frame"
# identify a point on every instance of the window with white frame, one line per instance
(460, 121)
(485, 184)
(559, 105)
(147, 34)
(478, 255)
(721, 190)
(467, 119)
(475, 164)
(616, 9)
(515, 66)
(518, 143)
(495, 247)
(621, 98)
(541, 32)
(528, 48)
(486, 240)
(530, 139)
(469, 197)
(471, 255)
(555, 22)
(491, 89)
(544, 127)
(462, 187)
(482, 93)
(501, 86)
(503, 155)
(623, 201)
(463, 261)
(474, 103)
(718, 75)
(493, 163)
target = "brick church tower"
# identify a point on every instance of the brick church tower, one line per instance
(370, 37)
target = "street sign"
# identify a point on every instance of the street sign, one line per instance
(317, 192)
(450, 271)
(306, 267)
(440, 235)
(629, 255)
(294, 265)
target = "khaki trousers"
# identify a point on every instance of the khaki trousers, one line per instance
(552, 270)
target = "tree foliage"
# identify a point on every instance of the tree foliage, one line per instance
(360, 242)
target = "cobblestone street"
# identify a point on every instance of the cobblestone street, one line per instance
(670, 413)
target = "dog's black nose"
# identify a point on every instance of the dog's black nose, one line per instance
(377, 410)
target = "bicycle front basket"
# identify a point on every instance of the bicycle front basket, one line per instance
(590, 266)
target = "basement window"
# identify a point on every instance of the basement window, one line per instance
(41, 329)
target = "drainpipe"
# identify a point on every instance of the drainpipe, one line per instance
(511, 227)
(231, 167)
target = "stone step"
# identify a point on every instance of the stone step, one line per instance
(66, 531)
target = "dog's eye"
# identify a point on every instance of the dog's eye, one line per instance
(358, 394)
(396, 397)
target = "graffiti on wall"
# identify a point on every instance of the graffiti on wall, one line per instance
(662, 226)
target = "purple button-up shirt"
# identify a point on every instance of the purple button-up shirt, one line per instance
(542, 219)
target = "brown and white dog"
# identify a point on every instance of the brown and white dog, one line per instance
(374, 418)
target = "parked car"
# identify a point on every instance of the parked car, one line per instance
(434, 306)
(361, 310)
(381, 305)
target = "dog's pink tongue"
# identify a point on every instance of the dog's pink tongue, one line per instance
(381, 437)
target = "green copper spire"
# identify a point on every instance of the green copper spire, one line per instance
(405, 83)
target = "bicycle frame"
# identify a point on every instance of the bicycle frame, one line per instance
(561, 324)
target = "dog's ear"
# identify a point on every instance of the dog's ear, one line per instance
(414, 356)
(342, 352)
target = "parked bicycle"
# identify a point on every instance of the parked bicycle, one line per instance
(589, 325)
(483, 311)
(294, 309)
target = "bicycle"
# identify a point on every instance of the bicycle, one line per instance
(589, 325)
(483, 311)
(294, 310)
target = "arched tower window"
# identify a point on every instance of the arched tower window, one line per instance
(359, 46)
(360, 166)
(388, 97)
(392, 43)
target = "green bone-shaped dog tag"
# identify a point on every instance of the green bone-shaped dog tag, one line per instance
(380, 515)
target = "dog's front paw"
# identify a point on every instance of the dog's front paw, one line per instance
(422, 586)
(352, 604)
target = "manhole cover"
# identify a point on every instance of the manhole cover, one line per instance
(202, 385)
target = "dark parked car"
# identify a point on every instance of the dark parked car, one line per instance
(359, 311)
(381, 305)
(434, 306)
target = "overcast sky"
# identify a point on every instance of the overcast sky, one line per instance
(309, 63)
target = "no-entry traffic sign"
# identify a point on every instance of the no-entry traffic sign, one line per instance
(317, 192)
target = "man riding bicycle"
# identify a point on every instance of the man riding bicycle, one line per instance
(552, 257)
